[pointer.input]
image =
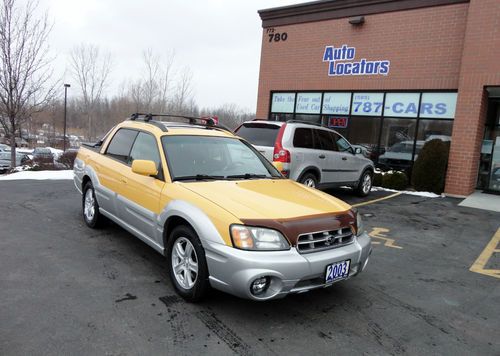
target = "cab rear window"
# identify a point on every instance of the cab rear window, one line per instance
(259, 134)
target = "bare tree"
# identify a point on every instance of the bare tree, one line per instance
(91, 69)
(25, 66)
(165, 81)
(151, 92)
(184, 90)
(150, 84)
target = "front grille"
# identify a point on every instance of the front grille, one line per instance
(324, 240)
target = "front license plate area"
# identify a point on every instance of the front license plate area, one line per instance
(337, 271)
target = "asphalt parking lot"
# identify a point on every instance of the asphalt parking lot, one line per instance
(66, 289)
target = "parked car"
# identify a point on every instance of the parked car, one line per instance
(221, 213)
(398, 156)
(43, 153)
(4, 147)
(310, 154)
(5, 160)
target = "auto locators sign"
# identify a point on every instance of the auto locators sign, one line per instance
(341, 61)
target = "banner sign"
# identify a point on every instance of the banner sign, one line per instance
(308, 103)
(438, 105)
(336, 103)
(283, 102)
(341, 61)
(367, 104)
(401, 104)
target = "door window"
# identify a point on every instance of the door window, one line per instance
(145, 147)
(303, 138)
(342, 144)
(326, 141)
(121, 143)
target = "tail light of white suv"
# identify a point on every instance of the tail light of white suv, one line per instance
(281, 156)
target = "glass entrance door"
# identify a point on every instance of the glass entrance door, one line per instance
(489, 167)
(494, 181)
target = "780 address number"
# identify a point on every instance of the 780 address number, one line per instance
(276, 36)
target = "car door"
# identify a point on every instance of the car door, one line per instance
(349, 165)
(331, 159)
(305, 154)
(141, 198)
(112, 170)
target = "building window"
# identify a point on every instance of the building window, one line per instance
(384, 122)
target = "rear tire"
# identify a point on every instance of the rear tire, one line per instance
(309, 180)
(90, 208)
(365, 184)
(187, 265)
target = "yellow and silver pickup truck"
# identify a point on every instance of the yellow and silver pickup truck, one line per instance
(221, 214)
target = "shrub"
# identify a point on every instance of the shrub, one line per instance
(377, 179)
(429, 170)
(43, 164)
(395, 180)
(67, 159)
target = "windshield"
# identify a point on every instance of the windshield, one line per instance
(259, 134)
(209, 157)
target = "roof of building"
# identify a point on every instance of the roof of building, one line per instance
(334, 9)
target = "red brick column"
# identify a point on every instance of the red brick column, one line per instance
(480, 67)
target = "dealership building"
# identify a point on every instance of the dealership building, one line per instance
(391, 75)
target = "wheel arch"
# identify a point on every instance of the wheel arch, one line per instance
(171, 223)
(182, 212)
(85, 180)
(310, 169)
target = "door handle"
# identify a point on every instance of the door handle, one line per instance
(344, 158)
(322, 156)
(123, 180)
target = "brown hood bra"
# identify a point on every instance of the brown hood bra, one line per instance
(292, 228)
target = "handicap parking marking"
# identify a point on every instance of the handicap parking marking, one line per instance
(380, 233)
(376, 200)
(492, 247)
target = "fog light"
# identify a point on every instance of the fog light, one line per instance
(260, 285)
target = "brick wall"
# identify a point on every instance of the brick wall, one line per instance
(480, 67)
(423, 45)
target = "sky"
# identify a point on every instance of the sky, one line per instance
(219, 40)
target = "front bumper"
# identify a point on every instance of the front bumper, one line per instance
(233, 270)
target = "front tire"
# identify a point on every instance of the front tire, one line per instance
(90, 208)
(365, 184)
(187, 264)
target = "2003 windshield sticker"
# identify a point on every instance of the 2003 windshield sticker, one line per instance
(341, 62)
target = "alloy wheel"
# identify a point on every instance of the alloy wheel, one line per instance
(89, 206)
(309, 182)
(367, 183)
(184, 263)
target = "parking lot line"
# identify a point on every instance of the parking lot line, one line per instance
(376, 200)
(482, 260)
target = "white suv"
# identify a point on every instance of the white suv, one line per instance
(311, 154)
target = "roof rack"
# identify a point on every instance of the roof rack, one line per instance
(207, 122)
(307, 122)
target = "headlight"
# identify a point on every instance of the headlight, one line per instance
(258, 238)
(359, 224)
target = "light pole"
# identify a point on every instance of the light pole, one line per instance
(66, 86)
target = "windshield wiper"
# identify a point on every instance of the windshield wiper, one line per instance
(198, 177)
(247, 176)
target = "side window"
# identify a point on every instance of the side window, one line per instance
(303, 138)
(342, 144)
(326, 140)
(145, 147)
(120, 144)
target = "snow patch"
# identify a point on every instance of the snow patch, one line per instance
(39, 175)
(409, 192)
